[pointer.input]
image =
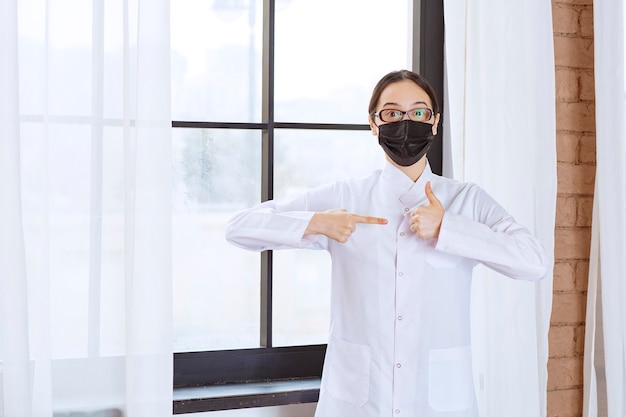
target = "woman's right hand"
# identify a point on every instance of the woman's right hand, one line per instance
(338, 224)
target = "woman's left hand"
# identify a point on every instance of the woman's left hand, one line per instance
(425, 221)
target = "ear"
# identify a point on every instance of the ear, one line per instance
(373, 126)
(436, 124)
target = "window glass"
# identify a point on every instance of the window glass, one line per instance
(305, 159)
(308, 158)
(216, 285)
(216, 60)
(301, 297)
(329, 55)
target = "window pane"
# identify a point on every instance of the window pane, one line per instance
(308, 158)
(329, 55)
(216, 60)
(216, 285)
(302, 277)
(301, 297)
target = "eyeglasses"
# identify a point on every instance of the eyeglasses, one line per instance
(392, 115)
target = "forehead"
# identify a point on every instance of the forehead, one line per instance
(405, 93)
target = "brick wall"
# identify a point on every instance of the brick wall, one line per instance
(575, 123)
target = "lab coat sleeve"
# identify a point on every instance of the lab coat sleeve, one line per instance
(493, 238)
(280, 224)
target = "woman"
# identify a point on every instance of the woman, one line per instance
(403, 243)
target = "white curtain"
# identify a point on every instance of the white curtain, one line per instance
(500, 133)
(85, 208)
(605, 330)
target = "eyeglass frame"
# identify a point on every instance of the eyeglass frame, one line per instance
(432, 113)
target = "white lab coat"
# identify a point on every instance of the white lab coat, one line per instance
(399, 342)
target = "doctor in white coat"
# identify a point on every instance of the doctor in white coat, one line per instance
(403, 243)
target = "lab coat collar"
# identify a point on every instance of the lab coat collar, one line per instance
(409, 193)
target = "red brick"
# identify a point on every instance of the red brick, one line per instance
(565, 403)
(577, 2)
(577, 116)
(575, 179)
(571, 243)
(584, 211)
(562, 341)
(587, 149)
(564, 276)
(565, 372)
(579, 337)
(573, 52)
(586, 22)
(568, 308)
(586, 85)
(565, 19)
(566, 84)
(567, 147)
(566, 208)
(582, 275)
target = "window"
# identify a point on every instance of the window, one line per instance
(270, 98)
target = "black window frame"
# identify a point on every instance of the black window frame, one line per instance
(293, 363)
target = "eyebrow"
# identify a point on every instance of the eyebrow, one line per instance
(396, 104)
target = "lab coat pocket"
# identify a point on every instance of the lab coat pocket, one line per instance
(450, 383)
(347, 371)
(438, 259)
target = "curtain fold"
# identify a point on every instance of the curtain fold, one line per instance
(15, 376)
(85, 213)
(605, 329)
(500, 133)
(149, 287)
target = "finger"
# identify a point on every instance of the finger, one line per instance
(369, 219)
(432, 199)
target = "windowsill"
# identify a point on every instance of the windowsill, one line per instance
(247, 395)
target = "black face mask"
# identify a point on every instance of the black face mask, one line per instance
(405, 142)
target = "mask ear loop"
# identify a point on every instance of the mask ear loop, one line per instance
(373, 122)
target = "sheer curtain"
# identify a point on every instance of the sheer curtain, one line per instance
(605, 330)
(500, 133)
(85, 208)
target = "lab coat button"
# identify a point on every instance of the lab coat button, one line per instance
(401, 233)
(400, 318)
(400, 274)
(397, 411)
(398, 365)
(406, 209)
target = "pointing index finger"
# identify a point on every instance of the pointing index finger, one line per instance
(369, 219)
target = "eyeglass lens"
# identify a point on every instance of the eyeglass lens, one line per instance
(418, 115)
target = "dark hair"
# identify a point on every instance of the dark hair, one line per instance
(394, 77)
